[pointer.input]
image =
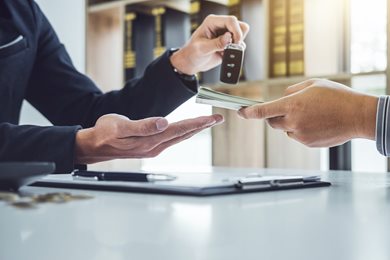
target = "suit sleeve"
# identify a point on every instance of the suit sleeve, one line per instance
(67, 97)
(70, 100)
(39, 144)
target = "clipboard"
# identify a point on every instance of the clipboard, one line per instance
(189, 184)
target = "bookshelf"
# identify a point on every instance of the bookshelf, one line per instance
(237, 142)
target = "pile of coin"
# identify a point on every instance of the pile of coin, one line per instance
(30, 202)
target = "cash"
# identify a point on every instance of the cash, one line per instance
(217, 99)
(58, 197)
(31, 202)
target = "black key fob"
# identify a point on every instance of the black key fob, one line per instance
(232, 63)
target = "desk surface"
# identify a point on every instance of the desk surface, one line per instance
(349, 220)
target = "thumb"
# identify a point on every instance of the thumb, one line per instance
(265, 110)
(216, 44)
(144, 127)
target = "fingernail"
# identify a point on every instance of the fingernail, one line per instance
(161, 124)
(211, 122)
(219, 122)
(219, 119)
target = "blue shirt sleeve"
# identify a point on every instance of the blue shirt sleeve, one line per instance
(382, 126)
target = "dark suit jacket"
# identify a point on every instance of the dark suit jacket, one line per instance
(35, 66)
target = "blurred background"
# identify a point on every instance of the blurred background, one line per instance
(290, 41)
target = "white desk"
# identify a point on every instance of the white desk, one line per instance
(349, 220)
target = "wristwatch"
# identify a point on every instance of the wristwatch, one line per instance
(180, 74)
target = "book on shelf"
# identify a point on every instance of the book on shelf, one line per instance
(150, 30)
(195, 15)
(217, 99)
(129, 50)
(286, 38)
(159, 28)
(95, 2)
(278, 57)
(138, 40)
(295, 38)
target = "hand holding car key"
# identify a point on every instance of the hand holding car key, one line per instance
(232, 62)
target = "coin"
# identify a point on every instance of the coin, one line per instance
(23, 205)
(81, 197)
(8, 196)
(30, 202)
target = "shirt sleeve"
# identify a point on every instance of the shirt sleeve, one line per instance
(382, 126)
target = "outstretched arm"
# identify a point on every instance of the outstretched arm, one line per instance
(320, 113)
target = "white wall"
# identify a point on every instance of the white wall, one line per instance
(68, 19)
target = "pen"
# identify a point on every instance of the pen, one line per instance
(122, 176)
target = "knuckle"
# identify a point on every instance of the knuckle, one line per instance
(220, 43)
(144, 148)
(115, 128)
(287, 91)
(232, 19)
(209, 17)
(145, 128)
(258, 112)
(180, 130)
(295, 106)
(315, 81)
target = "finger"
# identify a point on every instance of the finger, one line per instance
(279, 123)
(147, 143)
(185, 126)
(298, 87)
(231, 23)
(160, 148)
(244, 28)
(144, 127)
(215, 45)
(265, 110)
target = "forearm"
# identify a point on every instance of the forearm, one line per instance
(33, 143)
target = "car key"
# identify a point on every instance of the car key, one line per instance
(232, 63)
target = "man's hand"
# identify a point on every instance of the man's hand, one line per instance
(320, 113)
(115, 136)
(205, 48)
